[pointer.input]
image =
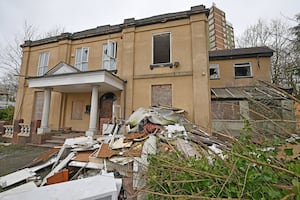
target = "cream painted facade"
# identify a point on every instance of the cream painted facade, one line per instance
(258, 58)
(132, 83)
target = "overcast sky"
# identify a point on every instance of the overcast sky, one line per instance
(78, 15)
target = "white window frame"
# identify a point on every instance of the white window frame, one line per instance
(243, 64)
(170, 53)
(81, 64)
(214, 66)
(43, 63)
(109, 55)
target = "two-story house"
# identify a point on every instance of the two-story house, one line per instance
(78, 79)
(239, 93)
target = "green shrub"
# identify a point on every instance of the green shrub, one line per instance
(7, 114)
(248, 172)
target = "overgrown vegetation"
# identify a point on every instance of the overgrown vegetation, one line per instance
(250, 171)
(7, 114)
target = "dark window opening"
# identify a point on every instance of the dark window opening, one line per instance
(161, 48)
(242, 70)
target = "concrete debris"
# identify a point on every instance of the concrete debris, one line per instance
(86, 188)
(122, 149)
(19, 189)
(16, 177)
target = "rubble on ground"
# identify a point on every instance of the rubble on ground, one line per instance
(110, 165)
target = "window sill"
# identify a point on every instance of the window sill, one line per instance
(238, 77)
(152, 66)
(215, 78)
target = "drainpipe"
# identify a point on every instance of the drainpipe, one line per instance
(124, 113)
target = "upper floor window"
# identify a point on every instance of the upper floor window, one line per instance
(242, 70)
(81, 60)
(109, 55)
(214, 71)
(43, 63)
(162, 48)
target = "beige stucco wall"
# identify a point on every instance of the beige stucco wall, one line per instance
(190, 80)
(227, 79)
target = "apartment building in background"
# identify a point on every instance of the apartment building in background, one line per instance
(221, 35)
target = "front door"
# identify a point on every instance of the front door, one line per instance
(106, 108)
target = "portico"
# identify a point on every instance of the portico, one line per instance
(67, 79)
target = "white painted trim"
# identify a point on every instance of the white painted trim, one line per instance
(90, 78)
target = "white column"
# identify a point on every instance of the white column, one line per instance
(94, 112)
(45, 115)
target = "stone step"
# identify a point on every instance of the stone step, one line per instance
(55, 141)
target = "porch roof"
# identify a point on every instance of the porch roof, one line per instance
(66, 80)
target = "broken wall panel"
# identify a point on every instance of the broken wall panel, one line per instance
(229, 110)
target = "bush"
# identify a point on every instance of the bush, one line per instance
(7, 114)
(249, 172)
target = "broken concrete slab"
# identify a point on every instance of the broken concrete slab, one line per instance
(186, 148)
(87, 165)
(16, 177)
(19, 189)
(96, 187)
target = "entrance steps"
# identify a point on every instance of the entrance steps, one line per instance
(58, 139)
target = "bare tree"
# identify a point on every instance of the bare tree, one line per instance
(277, 35)
(11, 54)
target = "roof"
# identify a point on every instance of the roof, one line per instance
(248, 92)
(131, 22)
(241, 53)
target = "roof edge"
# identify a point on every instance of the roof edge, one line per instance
(109, 29)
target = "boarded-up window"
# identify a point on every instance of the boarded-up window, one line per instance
(227, 110)
(77, 107)
(38, 105)
(161, 95)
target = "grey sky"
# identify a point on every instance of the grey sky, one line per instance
(76, 15)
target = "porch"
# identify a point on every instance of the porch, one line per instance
(66, 79)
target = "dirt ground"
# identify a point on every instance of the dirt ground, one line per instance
(15, 157)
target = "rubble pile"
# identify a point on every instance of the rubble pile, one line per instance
(113, 165)
(121, 151)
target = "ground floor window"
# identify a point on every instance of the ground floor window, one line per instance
(161, 95)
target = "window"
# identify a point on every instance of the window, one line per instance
(242, 70)
(43, 63)
(214, 71)
(161, 95)
(109, 55)
(81, 60)
(161, 48)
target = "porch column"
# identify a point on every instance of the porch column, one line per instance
(45, 115)
(94, 110)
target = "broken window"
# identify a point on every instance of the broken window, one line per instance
(242, 70)
(161, 95)
(161, 48)
(81, 60)
(43, 63)
(109, 56)
(214, 71)
(77, 110)
(265, 109)
(225, 110)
